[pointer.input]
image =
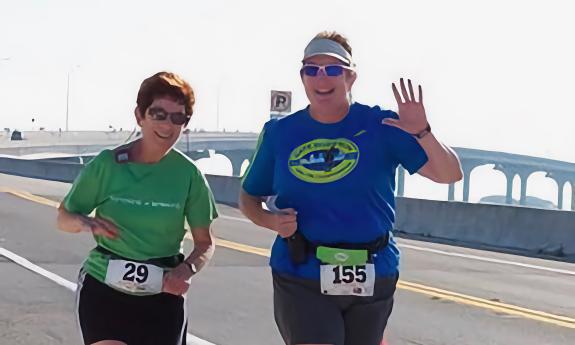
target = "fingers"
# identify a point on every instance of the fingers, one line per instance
(287, 218)
(408, 96)
(106, 224)
(391, 122)
(287, 215)
(106, 227)
(287, 232)
(178, 285)
(404, 91)
(420, 94)
(104, 232)
(288, 211)
(396, 94)
(174, 286)
(411, 94)
(284, 221)
(287, 223)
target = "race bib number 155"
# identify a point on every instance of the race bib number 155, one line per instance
(355, 280)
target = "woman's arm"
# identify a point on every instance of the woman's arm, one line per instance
(284, 223)
(74, 223)
(176, 281)
(443, 165)
(204, 247)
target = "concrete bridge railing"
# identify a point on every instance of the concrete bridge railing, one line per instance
(529, 230)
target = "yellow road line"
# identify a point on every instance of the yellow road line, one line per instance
(499, 307)
(31, 197)
(243, 247)
(238, 246)
(504, 308)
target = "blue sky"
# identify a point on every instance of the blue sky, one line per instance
(497, 75)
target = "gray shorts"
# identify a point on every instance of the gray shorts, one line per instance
(305, 316)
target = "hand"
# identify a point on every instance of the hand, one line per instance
(285, 222)
(412, 118)
(99, 226)
(176, 281)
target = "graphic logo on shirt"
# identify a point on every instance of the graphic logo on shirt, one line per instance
(136, 202)
(323, 160)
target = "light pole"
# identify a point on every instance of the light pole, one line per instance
(6, 59)
(70, 70)
(67, 100)
(218, 108)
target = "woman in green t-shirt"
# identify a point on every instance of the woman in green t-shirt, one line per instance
(132, 286)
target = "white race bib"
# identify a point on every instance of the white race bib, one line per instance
(356, 280)
(134, 276)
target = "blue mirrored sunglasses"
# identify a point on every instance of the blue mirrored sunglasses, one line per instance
(328, 70)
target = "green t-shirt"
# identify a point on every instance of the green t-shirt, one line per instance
(148, 203)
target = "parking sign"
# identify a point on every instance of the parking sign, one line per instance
(280, 103)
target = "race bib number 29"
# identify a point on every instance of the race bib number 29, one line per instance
(134, 276)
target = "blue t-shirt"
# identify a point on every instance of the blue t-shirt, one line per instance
(339, 177)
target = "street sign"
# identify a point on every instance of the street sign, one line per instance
(280, 103)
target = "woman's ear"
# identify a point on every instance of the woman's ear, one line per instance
(139, 116)
(350, 79)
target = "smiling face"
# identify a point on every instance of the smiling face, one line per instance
(325, 93)
(162, 134)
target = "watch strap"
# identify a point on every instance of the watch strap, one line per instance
(423, 133)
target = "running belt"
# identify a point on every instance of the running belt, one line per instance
(168, 261)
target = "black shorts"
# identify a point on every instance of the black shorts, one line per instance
(306, 316)
(107, 314)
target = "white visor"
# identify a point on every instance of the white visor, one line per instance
(324, 46)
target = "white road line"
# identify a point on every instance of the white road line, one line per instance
(466, 256)
(37, 269)
(191, 339)
(481, 258)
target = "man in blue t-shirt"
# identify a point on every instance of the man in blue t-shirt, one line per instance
(331, 171)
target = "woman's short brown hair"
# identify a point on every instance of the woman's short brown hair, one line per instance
(336, 37)
(166, 84)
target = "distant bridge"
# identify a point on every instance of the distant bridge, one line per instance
(239, 147)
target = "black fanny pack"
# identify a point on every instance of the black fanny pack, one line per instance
(168, 261)
(299, 247)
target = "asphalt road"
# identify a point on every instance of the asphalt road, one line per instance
(446, 295)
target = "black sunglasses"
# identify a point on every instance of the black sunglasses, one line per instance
(159, 114)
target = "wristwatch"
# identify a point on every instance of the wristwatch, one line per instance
(192, 267)
(423, 133)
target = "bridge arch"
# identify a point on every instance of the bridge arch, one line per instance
(494, 183)
(540, 186)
